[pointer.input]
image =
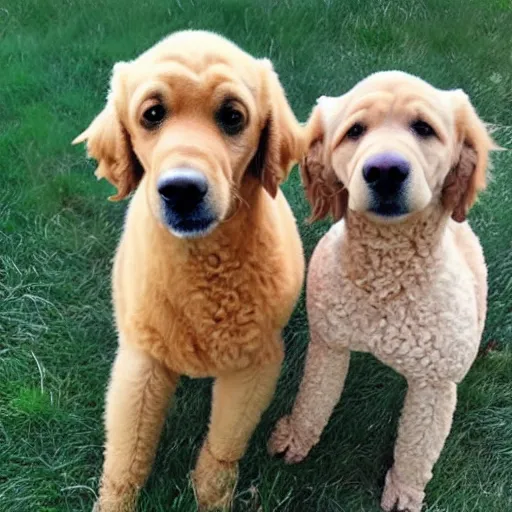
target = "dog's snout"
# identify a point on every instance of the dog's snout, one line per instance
(183, 189)
(186, 203)
(385, 172)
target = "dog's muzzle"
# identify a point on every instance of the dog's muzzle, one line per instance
(185, 202)
(386, 175)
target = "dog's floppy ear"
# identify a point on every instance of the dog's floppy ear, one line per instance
(324, 190)
(109, 143)
(281, 140)
(468, 174)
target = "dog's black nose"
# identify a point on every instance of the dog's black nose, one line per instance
(386, 172)
(182, 189)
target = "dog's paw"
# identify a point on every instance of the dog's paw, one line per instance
(214, 482)
(116, 497)
(114, 506)
(289, 442)
(400, 496)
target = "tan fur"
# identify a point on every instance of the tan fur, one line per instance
(412, 291)
(210, 306)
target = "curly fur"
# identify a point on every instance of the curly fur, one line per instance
(206, 307)
(411, 292)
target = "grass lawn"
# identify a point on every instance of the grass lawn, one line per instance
(58, 234)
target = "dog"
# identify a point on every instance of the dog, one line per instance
(210, 263)
(401, 275)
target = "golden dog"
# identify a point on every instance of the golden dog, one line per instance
(402, 275)
(210, 263)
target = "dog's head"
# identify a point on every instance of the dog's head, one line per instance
(392, 146)
(189, 120)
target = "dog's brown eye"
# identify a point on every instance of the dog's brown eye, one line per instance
(153, 115)
(230, 120)
(356, 131)
(422, 129)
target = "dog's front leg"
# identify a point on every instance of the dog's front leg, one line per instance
(239, 400)
(320, 390)
(137, 400)
(424, 426)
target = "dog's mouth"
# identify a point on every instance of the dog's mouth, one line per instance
(389, 204)
(192, 225)
(389, 208)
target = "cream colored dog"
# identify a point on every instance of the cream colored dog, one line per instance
(210, 263)
(402, 275)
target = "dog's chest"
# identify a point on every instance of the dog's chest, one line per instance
(418, 326)
(218, 311)
(433, 336)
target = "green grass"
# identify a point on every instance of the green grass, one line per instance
(58, 235)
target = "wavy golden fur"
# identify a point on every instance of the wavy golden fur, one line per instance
(211, 305)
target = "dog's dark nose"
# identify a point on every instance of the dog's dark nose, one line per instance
(385, 172)
(182, 189)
